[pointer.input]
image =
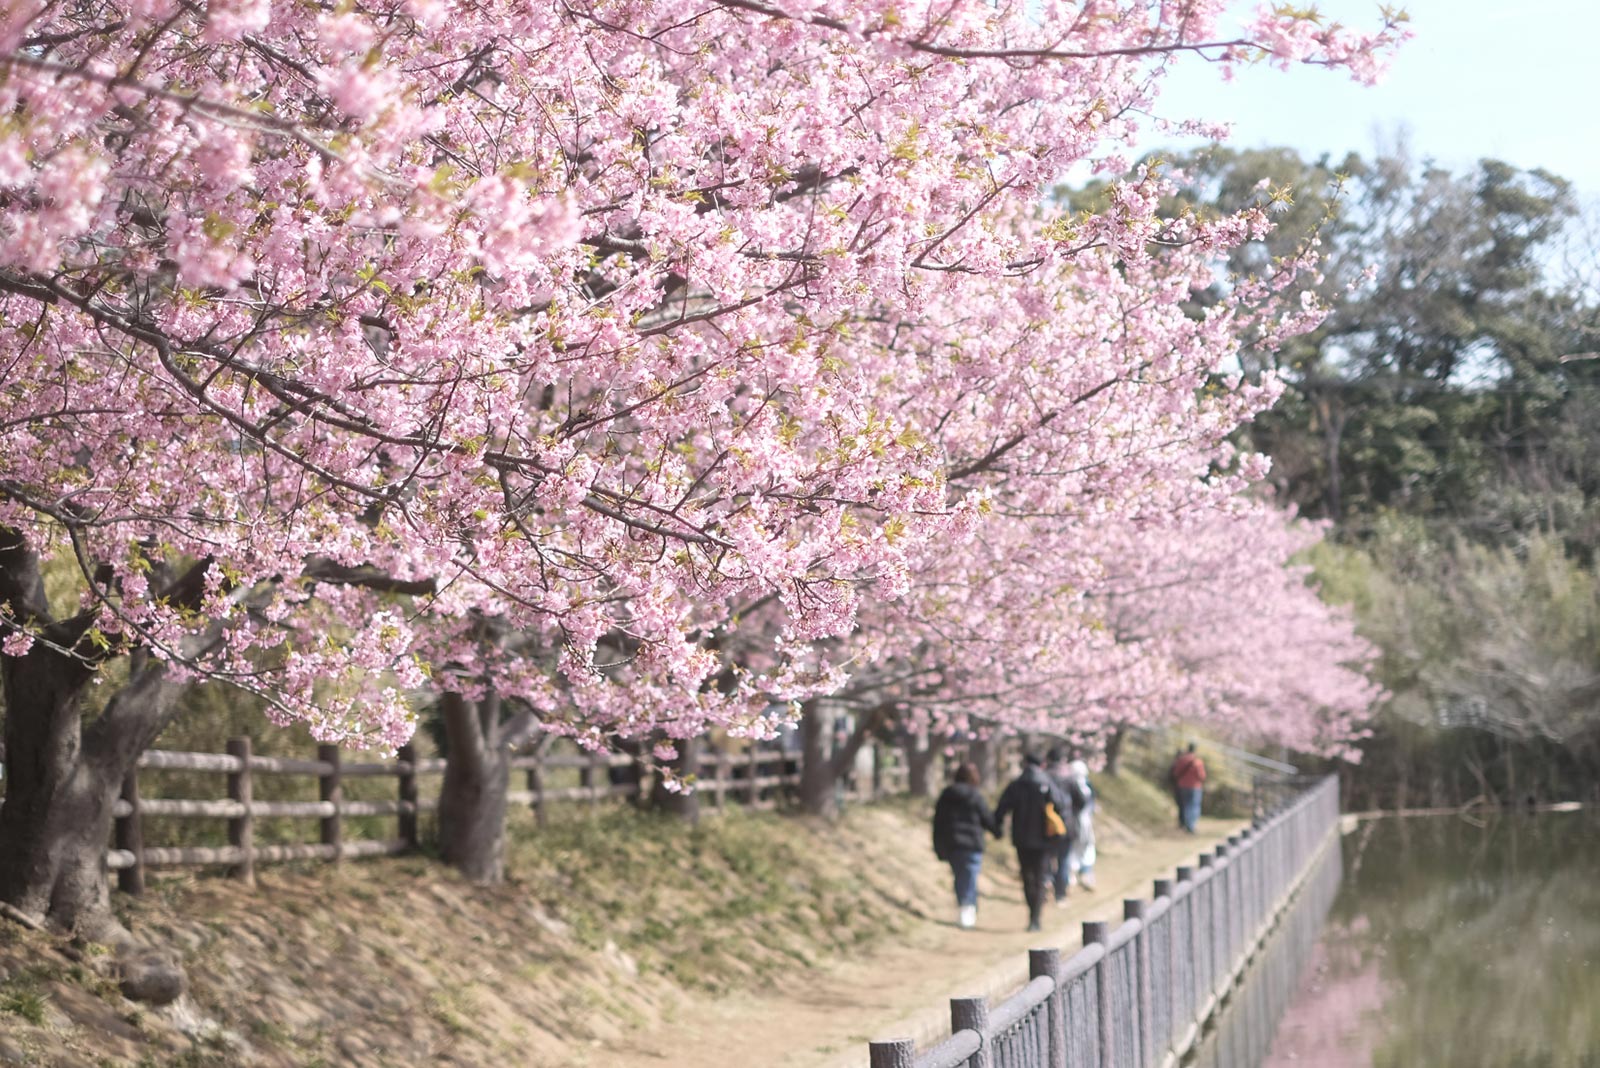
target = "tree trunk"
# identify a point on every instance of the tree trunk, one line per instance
(1333, 420)
(1511, 772)
(821, 771)
(817, 774)
(685, 804)
(919, 765)
(1114, 742)
(472, 801)
(982, 755)
(63, 775)
(62, 780)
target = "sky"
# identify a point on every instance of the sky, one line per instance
(1518, 80)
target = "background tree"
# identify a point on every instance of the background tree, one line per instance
(1442, 415)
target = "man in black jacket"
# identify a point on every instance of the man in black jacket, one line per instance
(960, 819)
(1024, 800)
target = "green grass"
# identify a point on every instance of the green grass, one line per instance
(656, 885)
(1136, 801)
(453, 1009)
(22, 996)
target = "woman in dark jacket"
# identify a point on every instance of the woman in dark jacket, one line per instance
(961, 822)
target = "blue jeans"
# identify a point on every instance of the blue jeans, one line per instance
(965, 865)
(1061, 867)
(1189, 807)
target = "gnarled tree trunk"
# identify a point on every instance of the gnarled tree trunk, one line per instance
(63, 779)
(63, 775)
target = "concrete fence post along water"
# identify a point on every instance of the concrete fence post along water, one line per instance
(1139, 995)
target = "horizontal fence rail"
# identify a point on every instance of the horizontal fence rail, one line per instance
(1137, 995)
(753, 778)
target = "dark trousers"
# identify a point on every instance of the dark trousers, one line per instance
(1036, 865)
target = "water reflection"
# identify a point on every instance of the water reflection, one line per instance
(1455, 944)
(1244, 1030)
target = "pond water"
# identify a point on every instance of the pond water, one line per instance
(1446, 943)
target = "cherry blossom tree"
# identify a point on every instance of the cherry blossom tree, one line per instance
(528, 346)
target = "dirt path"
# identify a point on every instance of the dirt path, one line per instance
(826, 1016)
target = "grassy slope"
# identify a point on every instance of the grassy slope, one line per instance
(1135, 802)
(610, 919)
(610, 914)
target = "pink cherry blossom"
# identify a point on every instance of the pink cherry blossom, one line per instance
(655, 365)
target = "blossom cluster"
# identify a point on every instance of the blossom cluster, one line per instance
(648, 362)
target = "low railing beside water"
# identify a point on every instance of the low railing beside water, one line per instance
(1137, 996)
(1243, 1033)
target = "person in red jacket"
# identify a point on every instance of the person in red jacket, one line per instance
(1188, 779)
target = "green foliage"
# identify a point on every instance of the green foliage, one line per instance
(1441, 386)
(23, 996)
(1446, 416)
(1491, 656)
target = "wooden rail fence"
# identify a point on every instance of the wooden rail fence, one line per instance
(752, 778)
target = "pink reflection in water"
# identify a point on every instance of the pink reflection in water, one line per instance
(1336, 1017)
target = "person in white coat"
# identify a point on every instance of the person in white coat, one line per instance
(1080, 857)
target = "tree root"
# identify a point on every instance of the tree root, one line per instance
(16, 915)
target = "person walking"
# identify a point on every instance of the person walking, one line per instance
(1039, 811)
(1061, 848)
(960, 818)
(1081, 854)
(1172, 784)
(1189, 779)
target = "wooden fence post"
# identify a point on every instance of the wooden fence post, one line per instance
(407, 819)
(893, 1053)
(1164, 889)
(599, 767)
(1048, 962)
(972, 1014)
(1186, 874)
(752, 770)
(241, 829)
(130, 836)
(1096, 932)
(330, 787)
(1135, 909)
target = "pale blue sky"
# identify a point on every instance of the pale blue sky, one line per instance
(1515, 79)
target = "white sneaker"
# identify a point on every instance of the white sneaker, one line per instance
(967, 917)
